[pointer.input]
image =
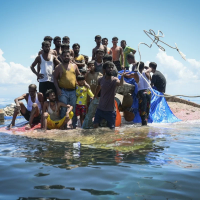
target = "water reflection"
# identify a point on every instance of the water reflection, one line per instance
(39, 198)
(130, 162)
(118, 149)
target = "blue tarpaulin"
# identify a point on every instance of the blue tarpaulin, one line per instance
(159, 112)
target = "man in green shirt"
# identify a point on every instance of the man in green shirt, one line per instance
(126, 51)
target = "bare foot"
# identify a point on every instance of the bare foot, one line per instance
(9, 126)
(27, 127)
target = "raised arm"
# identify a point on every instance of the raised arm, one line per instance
(135, 76)
(121, 81)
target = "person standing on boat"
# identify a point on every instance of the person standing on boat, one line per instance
(52, 51)
(79, 59)
(98, 64)
(34, 101)
(116, 53)
(57, 42)
(126, 51)
(65, 47)
(105, 43)
(132, 60)
(66, 40)
(108, 57)
(51, 112)
(47, 63)
(106, 108)
(158, 81)
(144, 93)
(65, 83)
(98, 46)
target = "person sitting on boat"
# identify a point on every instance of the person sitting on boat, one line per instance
(34, 101)
(144, 93)
(51, 112)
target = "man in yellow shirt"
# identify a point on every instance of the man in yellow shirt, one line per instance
(81, 93)
(79, 60)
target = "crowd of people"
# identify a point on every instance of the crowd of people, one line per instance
(69, 83)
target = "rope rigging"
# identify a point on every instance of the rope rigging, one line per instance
(156, 39)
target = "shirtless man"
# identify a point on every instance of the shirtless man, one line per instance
(66, 40)
(51, 112)
(105, 43)
(117, 51)
(47, 63)
(57, 42)
(34, 101)
(99, 46)
(65, 47)
(65, 83)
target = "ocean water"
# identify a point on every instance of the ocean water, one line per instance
(157, 162)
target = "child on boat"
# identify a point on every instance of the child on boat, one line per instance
(81, 93)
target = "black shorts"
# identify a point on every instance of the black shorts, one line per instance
(109, 116)
(28, 114)
(118, 65)
(44, 86)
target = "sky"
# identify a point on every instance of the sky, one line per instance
(25, 23)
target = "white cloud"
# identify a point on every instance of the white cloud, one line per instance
(13, 73)
(182, 77)
(175, 68)
(34, 56)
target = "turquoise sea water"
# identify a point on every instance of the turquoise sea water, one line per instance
(155, 162)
